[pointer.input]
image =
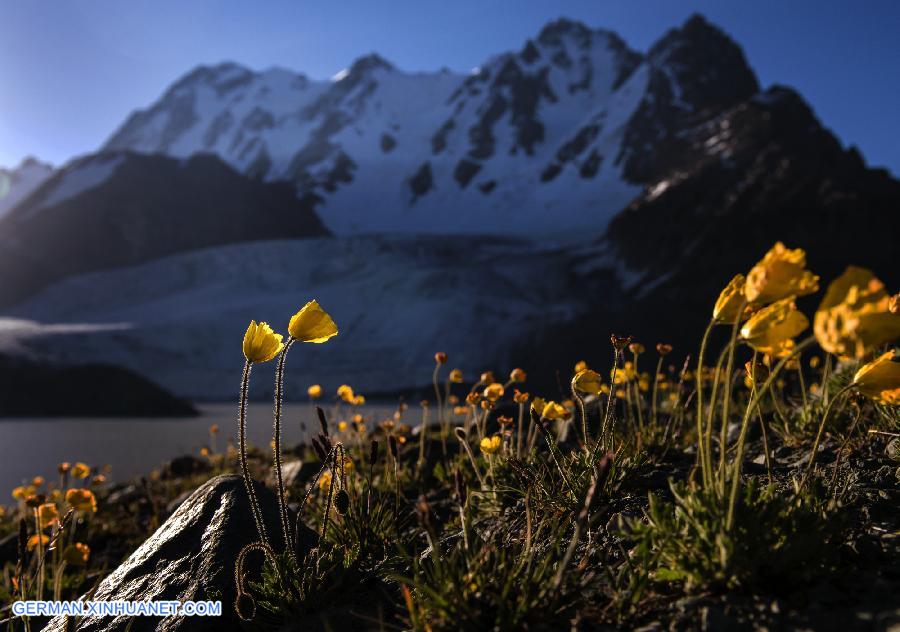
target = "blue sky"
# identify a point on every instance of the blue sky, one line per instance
(71, 71)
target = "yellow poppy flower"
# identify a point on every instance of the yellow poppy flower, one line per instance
(771, 330)
(22, 492)
(314, 391)
(587, 381)
(517, 375)
(488, 377)
(76, 554)
(37, 481)
(456, 376)
(80, 470)
(728, 306)
(493, 392)
(854, 317)
(580, 366)
(33, 541)
(312, 324)
(325, 480)
(358, 400)
(489, 445)
(519, 397)
(261, 344)
(48, 514)
(781, 273)
(345, 392)
(880, 379)
(552, 410)
(537, 404)
(342, 426)
(82, 500)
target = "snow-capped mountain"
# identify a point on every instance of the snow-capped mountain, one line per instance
(516, 215)
(18, 183)
(553, 138)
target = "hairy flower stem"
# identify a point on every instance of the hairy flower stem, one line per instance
(751, 406)
(276, 439)
(468, 450)
(653, 418)
(519, 438)
(610, 399)
(815, 448)
(584, 432)
(440, 408)
(726, 395)
(242, 453)
(551, 444)
(698, 381)
(837, 461)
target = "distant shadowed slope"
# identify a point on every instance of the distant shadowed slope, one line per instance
(117, 209)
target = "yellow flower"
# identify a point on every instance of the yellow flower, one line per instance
(64, 467)
(880, 379)
(728, 306)
(325, 480)
(580, 366)
(204, 451)
(772, 328)
(358, 400)
(517, 375)
(261, 344)
(76, 554)
(636, 348)
(493, 392)
(342, 426)
(461, 410)
(37, 481)
(587, 381)
(345, 393)
(537, 404)
(663, 348)
(552, 410)
(489, 445)
(440, 357)
(21, 492)
(519, 397)
(456, 376)
(33, 541)
(312, 324)
(48, 514)
(854, 317)
(314, 391)
(80, 470)
(487, 377)
(82, 500)
(780, 274)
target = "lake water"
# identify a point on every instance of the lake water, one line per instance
(135, 446)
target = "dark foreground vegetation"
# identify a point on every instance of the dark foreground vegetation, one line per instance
(753, 483)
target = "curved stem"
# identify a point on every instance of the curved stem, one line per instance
(655, 391)
(276, 440)
(242, 452)
(815, 448)
(698, 381)
(580, 400)
(751, 406)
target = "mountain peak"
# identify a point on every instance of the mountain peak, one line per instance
(369, 63)
(563, 27)
(708, 66)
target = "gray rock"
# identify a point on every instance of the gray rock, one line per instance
(190, 557)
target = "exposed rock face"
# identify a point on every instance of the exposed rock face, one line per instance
(190, 557)
(29, 388)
